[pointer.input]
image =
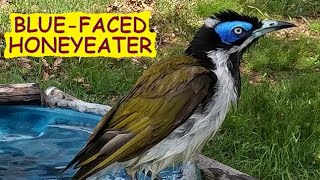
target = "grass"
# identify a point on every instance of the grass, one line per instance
(291, 8)
(204, 8)
(315, 26)
(107, 79)
(273, 54)
(274, 132)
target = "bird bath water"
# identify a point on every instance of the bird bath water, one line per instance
(37, 142)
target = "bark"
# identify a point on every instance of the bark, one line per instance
(19, 94)
(58, 98)
(213, 170)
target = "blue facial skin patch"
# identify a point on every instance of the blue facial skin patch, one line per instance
(225, 30)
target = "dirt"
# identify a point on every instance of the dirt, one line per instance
(3, 3)
(129, 6)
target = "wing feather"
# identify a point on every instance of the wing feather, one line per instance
(161, 100)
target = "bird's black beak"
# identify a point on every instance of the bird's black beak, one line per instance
(270, 26)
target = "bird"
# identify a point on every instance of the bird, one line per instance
(178, 104)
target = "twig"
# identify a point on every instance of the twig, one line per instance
(259, 11)
(305, 20)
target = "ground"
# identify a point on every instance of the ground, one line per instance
(274, 132)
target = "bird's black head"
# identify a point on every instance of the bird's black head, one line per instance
(231, 32)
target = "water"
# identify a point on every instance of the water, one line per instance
(37, 142)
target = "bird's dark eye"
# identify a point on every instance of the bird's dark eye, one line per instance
(238, 30)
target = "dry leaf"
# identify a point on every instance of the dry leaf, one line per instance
(82, 82)
(126, 6)
(135, 61)
(4, 3)
(57, 63)
(45, 75)
(44, 62)
(78, 79)
(109, 9)
(24, 60)
(86, 86)
(26, 65)
(4, 64)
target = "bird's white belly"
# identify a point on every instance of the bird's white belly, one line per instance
(186, 141)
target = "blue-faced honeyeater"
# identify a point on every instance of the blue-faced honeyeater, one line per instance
(178, 104)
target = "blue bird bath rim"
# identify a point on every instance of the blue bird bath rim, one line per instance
(36, 142)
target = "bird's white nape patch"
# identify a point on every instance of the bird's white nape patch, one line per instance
(210, 23)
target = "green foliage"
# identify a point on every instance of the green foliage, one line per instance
(315, 26)
(274, 133)
(108, 78)
(104, 80)
(273, 54)
(205, 8)
(57, 6)
(293, 8)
